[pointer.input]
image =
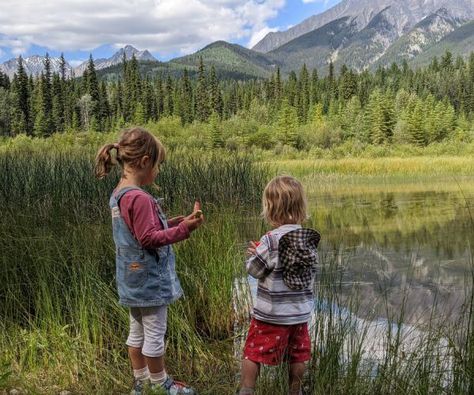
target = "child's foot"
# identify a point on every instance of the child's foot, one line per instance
(138, 387)
(172, 387)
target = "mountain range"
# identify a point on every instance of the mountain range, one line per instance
(363, 34)
(34, 65)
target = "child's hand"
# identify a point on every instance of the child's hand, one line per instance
(196, 219)
(175, 221)
(252, 248)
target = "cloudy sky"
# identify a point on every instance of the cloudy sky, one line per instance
(167, 28)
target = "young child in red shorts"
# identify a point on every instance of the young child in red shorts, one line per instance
(284, 263)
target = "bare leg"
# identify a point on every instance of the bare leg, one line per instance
(137, 358)
(296, 377)
(155, 364)
(250, 371)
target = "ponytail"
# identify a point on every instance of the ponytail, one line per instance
(134, 144)
(104, 160)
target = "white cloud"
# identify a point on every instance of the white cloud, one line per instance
(315, 1)
(162, 26)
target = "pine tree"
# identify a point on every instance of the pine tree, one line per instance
(347, 84)
(21, 122)
(278, 87)
(186, 110)
(215, 131)
(415, 124)
(315, 97)
(303, 95)
(104, 107)
(351, 118)
(92, 84)
(168, 100)
(159, 97)
(47, 96)
(40, 125)
(447, 61)
(5, 117)
(62, 68)
(287, 124)
(57, 113)
(202, 100)
(291, 89)
(380, 118)
(216, 104)
(331, 81)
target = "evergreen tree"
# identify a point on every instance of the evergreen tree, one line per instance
(186, 111)
(5, 116)
(58, 104)
(92, 90)
(303, 95)
(347, 84)
(104, 108)
(278, 87)
(216, 104)
(292, 89)
(47, 96)
(315, 97)
(215, 131)
(21, 122)
(168, 99)
(62, 68)
(202, 100)
(415, 125)
(287, 124)
(380, 118)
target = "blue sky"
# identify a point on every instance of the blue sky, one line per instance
(168, 28)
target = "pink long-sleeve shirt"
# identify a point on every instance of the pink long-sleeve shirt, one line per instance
(139, 212)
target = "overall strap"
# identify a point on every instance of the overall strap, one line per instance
(123, 191)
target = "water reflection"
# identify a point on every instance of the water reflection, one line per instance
(395, 246)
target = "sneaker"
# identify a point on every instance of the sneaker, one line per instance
(138, 387)
(172, 387)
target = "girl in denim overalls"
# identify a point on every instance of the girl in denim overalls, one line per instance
(146, 278)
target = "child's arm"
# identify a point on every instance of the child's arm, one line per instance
(139, 212)
(260, 264)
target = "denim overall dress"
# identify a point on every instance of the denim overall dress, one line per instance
(145, 278)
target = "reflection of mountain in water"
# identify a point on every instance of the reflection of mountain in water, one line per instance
(396, 245)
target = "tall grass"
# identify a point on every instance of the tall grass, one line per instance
(379, 167)
(61, 326)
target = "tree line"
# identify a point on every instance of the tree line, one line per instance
(417, 106)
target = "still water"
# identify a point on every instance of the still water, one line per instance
(400, 242)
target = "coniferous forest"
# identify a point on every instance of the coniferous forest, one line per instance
(301, 110)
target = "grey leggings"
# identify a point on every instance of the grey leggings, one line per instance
(147, 330)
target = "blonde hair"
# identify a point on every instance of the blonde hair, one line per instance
(134, 144)
(284, 202)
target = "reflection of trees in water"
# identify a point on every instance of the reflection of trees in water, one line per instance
(393, 243)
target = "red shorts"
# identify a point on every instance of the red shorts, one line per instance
(270, 344)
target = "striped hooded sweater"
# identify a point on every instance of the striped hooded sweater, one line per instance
(276, 303)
